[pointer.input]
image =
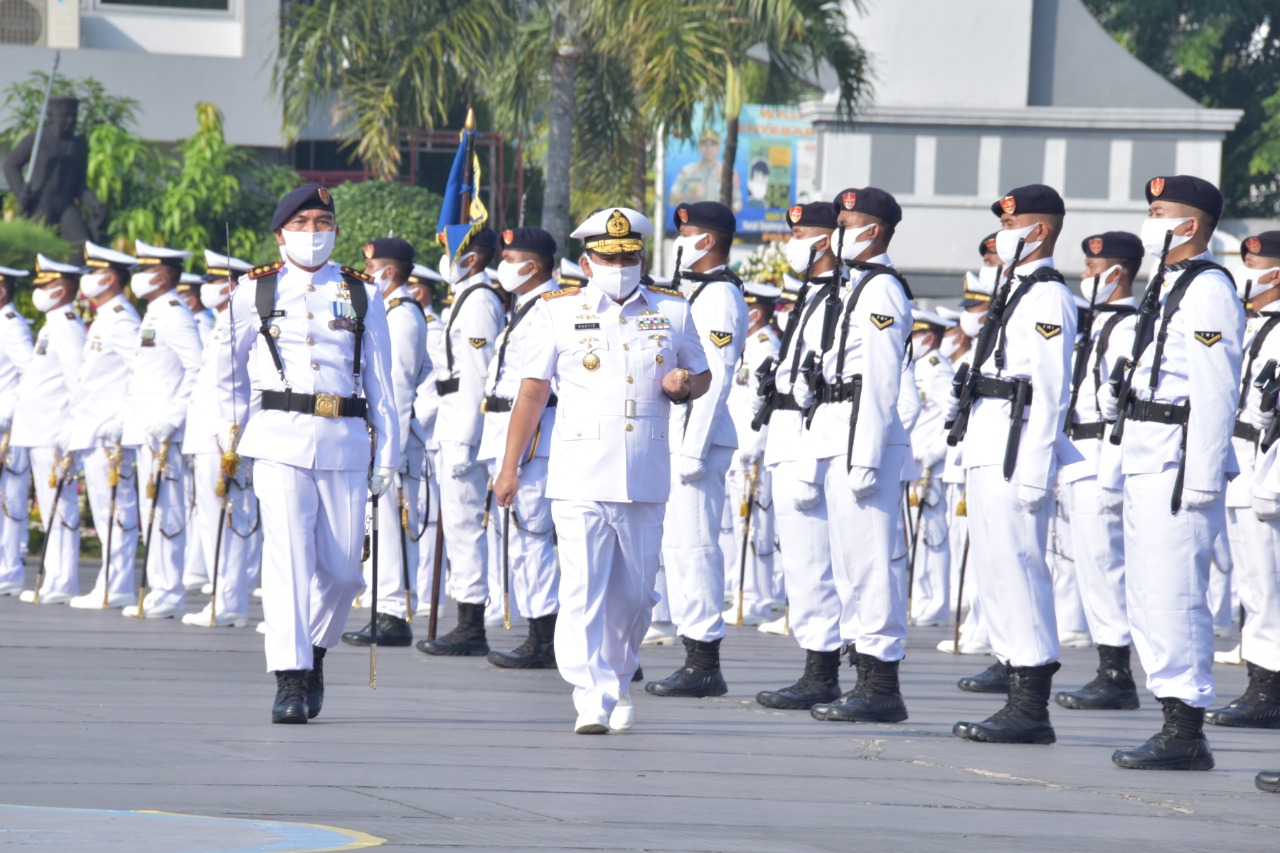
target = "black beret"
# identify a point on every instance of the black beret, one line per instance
(872, 201)
(1189, 190)
(1266, 244)
(1033, 198)
(815, 214)
(305, 197)
(529, 239)
(483, 239)
(706, 214)
(1113, 244)
(391, 249)
(987, 246)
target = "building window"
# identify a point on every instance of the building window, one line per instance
(1088, 168)
(893, 162)
(956, 172)
(193, 5)
(1021, 161)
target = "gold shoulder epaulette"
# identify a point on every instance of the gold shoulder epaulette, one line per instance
(394, 303)
(564, 291)
(367, 279)
(431, 318)
(265, 269)
(668, 291)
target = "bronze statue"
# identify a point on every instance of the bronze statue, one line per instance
(56, 190)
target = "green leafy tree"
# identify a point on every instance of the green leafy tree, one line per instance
(20, 241)
(24, 98)
(1223, 55)
(378, 208)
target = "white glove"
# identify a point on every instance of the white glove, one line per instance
(1253, 413)
(1030, 498)
(1197, 499)
(950, 408)
(690, 469)
(803, 393)
(380, 481)
(807, 496)
(933, 494)
(158, 434)
(1112, 500)
(1266, 507)
(862, 482)
(458, 458)
(110, 432)
(757, 405)
(1108, 405)
(226, 436)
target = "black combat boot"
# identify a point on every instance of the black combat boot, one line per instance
(876, 699)
(465, 640)
(538, 651)
(315, 683)
(1179, 745)
(1025, 715)
(1269, 781)
(993, 679)
(1257, 708)
(1113, 688)
(698, 678)
(392, 631)
(291, 696)
(820, 683)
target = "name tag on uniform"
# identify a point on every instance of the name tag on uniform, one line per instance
(578, 327)
(653, 323)
(147, 337)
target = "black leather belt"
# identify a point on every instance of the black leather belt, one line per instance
(445, 387)
(1248, 432)
(1085, 432)
(785, 403)
(1158, 413)
(320, 405)
(499, 405)
(997, 389)
(840, 392)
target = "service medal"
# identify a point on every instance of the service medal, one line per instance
(591, 361)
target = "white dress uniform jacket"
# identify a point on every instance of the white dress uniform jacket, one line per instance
(51, 382)
(471, 335)
(16, 347)
(108, 358)
(163, 375)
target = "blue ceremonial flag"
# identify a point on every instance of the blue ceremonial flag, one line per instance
(454, 228)
(455, 187)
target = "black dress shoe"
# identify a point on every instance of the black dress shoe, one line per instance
(291, 697)
(1025, 715)
(1113, 689)
(1269, 781)
(315, 683)
(993, 679)
(538, 651)
(875, 699)
(392, 631)
(467, 639)
(1257, 708)
(1179, 745)
(638, 676)
(700, 676)
(820, 683)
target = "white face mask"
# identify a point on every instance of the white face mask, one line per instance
(143, 284)
(853, 247)
(971, 322)
(920, 346)
(45, 298)
(687, 248)
(949, 346)
(383, 278)
(93, 286)
(616, 282)
(307, 248)
(462, 269)
(510, 277)
(1105, 289)
(1153, 233)
(1247, 285)
(797, 251)
(213, 298)
(1007, 243)
(986, 280)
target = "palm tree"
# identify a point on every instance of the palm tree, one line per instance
(380, 65)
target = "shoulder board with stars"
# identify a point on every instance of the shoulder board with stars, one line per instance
(367, 279)
(118, 309)
(668, 291)
(431, 318)
(395, 303)
(564, 291)
(762, 337)
(71, 315)
(265, 269)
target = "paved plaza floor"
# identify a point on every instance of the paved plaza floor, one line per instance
(140, 736)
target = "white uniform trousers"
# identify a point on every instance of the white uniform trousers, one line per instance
(1256, 547)
(397, 554)
(196, 569)
(806, 563)
(972, 629)
(1007, 546)
(312, 524)
(239, 549)
(691, 552)
(1097, 539)
(1062, 567)
(1167, 587)
(1224, 593)
(462, 505)
(931, 576)
(728, 548)
(61, 525)
(662, 607)
(166, 551)
(124, 538)
(15, 492)
(869, 559)
(427, 510)
(532, 568)
(763, 586)
(608, 562)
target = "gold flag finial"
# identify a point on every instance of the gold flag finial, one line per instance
(470, 123)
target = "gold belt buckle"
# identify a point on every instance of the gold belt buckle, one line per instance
(484, 406)
(327, 405)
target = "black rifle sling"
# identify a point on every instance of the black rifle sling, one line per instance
(453, 315)
(872, 270)
(506, 337)
(1171, 306)
(819, 298)
(1024, 286)
(1104, 342)
(1255, 348)
(265, 303)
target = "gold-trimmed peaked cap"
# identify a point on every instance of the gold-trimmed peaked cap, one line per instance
(48, 271)
(614, 230)
(156, 256)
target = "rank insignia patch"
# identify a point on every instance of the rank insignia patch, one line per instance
(881, 321)
(1008, 204)
(477, 342)
(721, 339)
(1208, 338)
(1048, 330)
